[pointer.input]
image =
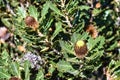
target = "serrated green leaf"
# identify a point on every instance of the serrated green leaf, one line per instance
(93, 42)
(97, 12)
(116, 65)
(4, 58)
(54, 8)
(33, 11)
(84, 7)
(77, 36)
(117, 74)
(58, 27)
(83, 36)
(40, 75)
(6, 22)
(45, 9)
(48, 24)
(95, 55)
(21, 12)
(64, 66)
(66, 47)
(27, 71)
(74, 37)
(113, 46)
(4, 75)
(15, 69)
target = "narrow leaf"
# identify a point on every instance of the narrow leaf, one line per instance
(45, 9)
(40, 75)
(33, 11)
(27, 71)
(58, 29)
(4, 75)
(54, 8)
(21, 12)
(64, 66)
(15, 69)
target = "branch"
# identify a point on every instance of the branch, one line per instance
(66, 14)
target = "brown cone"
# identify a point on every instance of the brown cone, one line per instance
(31, 22)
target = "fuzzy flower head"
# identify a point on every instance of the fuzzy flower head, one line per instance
(34, 60)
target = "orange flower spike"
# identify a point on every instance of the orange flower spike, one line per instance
(92, 31)
(80, 49)
(31, 22)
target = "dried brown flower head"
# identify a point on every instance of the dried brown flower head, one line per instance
(92, 30)
(31, 22)
(80, 49)
(14, 78)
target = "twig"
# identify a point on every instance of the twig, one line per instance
(91, 15)
(66, 14)
(62, 3)
(10, 10)
(68, 21)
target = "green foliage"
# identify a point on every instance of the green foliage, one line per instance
(61, 24)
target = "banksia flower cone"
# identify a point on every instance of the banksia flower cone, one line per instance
(31, 22)
(80, 49)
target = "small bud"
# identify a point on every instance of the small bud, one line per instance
(80, 49)
(31, 22)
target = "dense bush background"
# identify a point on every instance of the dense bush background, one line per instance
(47, 52)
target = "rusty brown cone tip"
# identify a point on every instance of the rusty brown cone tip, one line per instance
(92, 31)
(80, 49)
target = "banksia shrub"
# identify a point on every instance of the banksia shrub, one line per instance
(59, 39)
